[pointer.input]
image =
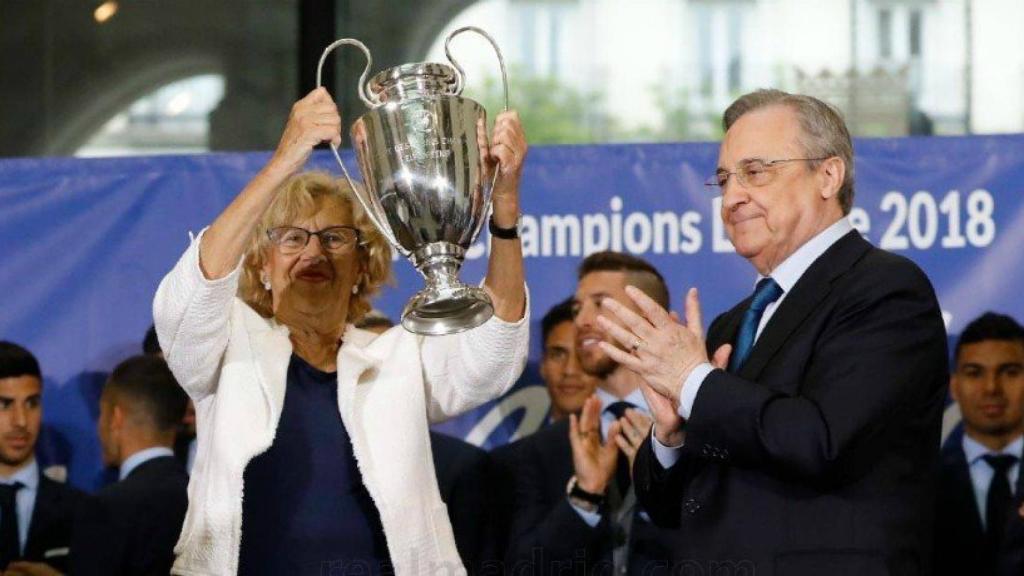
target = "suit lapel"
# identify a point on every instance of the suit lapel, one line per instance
(961, 492)
(42, 515)
(724, 331)
(803, 299)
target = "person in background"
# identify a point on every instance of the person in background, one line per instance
(573, 509)
(36, 513)
(129, 528)
(568, 385)
(185, 440)
(979, 528)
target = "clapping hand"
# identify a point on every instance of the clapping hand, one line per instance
(635, 426)
(661, 350)
(593, 460)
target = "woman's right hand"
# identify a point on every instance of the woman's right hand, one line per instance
(313, 120)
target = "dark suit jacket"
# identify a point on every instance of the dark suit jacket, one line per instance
(49, 531)
(462, 476)
(960, 546)
(130, 527)
(547, 536)
(818, 457)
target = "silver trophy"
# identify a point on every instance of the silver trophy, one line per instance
(424, 176)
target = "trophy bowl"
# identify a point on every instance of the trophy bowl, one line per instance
(420, 149)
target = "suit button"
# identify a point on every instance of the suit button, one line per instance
(691, 506)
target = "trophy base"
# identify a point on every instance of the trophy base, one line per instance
(447, 310)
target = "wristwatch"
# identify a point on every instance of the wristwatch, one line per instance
(504, 233)
(580, 497)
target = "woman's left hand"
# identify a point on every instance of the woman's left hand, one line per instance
(508, 152)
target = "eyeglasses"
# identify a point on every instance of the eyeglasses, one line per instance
(753, 173)
(292, 239)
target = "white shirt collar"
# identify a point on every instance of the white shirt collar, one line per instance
(793, 267)
(141, 457)
(974, 450)
(28, 475)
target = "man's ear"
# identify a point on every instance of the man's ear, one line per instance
(833, 172)
(117, 417)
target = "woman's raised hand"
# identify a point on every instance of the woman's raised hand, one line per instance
(313, 120)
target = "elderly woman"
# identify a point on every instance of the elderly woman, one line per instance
(323, 427)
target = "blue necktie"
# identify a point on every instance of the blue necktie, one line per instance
(767, 291)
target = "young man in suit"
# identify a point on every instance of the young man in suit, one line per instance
(36, 513)
(131, 526)
(573, 510)
(978, 519)
(801, 436)
(568, 384)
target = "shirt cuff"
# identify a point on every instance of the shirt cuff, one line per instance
(591, 518)
(690, 388)
(667, 456)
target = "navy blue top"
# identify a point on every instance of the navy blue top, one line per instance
(305, 509)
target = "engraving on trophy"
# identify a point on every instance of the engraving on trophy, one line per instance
(420, 151)
(421, 121)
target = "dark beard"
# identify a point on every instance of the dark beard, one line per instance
(601, 367)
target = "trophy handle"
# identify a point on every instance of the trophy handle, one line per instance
(460, 83)
(371, 102)
(460, 76)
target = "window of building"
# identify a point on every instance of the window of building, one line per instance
(172, 119)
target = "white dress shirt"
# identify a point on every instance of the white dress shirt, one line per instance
(982, 473)
(24, 499)
(786, 274)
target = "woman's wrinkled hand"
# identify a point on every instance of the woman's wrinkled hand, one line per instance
(313, 120)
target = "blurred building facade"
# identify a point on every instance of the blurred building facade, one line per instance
(102, 77)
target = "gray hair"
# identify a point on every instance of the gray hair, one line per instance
(824, 132)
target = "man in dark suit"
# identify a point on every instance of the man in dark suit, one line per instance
(812, 411)
(131, 526)
(573, 510)
(35, 512)
(979, 529)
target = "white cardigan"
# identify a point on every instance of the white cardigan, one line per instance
(233, 363)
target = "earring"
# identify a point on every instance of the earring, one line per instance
(266, 282)
(355, 289)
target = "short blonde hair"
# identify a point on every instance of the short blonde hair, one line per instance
(301, 196)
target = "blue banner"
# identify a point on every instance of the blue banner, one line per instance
(85, 243)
